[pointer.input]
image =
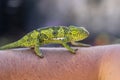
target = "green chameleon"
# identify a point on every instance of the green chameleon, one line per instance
(56, 34)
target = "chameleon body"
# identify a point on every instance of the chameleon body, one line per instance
(48, 35)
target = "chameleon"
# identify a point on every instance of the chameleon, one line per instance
(51, 35)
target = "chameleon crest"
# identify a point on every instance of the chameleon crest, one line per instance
(51, 35)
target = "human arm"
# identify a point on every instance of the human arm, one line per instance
(93, 63)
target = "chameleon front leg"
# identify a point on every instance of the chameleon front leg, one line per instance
(37, 51)
(69, 48)
(79, 44)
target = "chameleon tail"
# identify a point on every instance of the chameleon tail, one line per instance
(11, 45)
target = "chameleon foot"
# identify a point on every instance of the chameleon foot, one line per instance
(41, 56)
(73, 51)
(76, 50)
(38, 52)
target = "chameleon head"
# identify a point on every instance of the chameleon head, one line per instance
(78, 33)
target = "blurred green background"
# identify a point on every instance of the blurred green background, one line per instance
(100, 17)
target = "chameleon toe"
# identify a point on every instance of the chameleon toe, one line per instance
(41, 56)
(76, 50)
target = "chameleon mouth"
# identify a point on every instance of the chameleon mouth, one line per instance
(87, 33)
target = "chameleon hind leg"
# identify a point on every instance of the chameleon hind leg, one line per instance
(38, 52)
(69, 48)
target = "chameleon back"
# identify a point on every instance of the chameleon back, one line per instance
(53, 33)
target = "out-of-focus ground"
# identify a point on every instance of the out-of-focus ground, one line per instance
(100, 17)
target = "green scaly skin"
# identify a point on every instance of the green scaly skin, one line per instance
(56, 34)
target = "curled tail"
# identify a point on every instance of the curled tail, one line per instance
(11, 45)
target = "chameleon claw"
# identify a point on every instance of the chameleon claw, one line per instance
(41, 56)
(76, 50)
